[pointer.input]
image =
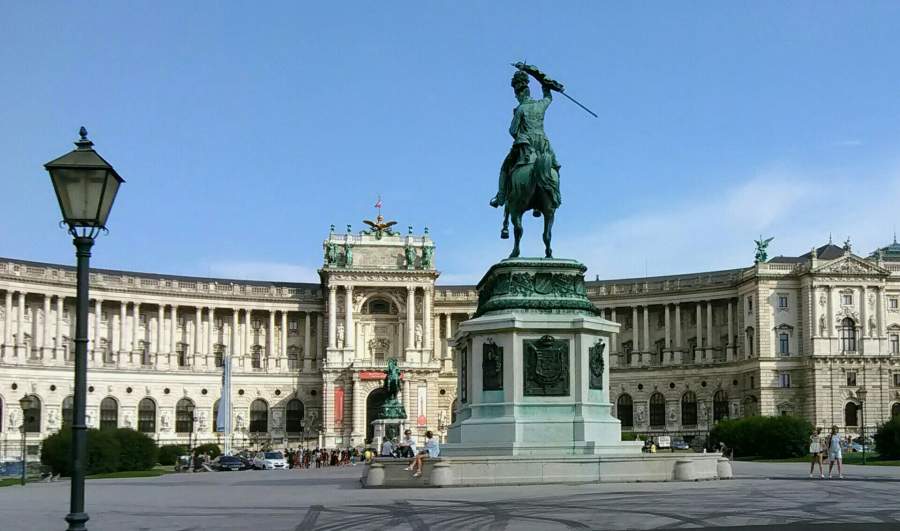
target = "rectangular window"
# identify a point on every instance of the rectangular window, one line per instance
(181, 322)
(784, 379)
(895, 344)
(847, 299)
(219, 323)
(783, 344)
(897, 379)
(752, 382)
(749, 304)
(893, 303)
(292, 325)
(851, 378)
(782, 302)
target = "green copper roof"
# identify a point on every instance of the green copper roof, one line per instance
(891, 252)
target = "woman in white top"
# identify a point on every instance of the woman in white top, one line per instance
(815, 450)
(834, 452)
(432, 450)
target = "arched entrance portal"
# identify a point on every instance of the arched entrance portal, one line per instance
(373, 404)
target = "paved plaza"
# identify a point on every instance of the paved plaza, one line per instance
(766, 496)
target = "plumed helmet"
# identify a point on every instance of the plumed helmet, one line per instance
(519, 81)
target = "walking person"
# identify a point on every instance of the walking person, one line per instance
(816, 447)
(432, 450)
(834, 452)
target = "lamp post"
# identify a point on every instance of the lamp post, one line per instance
(85, 186)
(25, 404)
(861, 394)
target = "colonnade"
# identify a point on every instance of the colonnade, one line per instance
(174, 335)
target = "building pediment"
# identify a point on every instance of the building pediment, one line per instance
(850, 265)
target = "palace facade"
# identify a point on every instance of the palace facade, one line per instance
(792, 335)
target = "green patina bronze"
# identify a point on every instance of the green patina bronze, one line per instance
(410, 253)
(492, 367)
(348, 254)
(330, 252)
(546, 366)
(427, 257)
(392, 408)
(534, 284)
(596, 364)
(529, 176)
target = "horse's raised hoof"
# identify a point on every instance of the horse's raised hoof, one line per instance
(504, 234)
(535, 213)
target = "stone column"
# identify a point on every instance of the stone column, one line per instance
(668, 326)
(428, 343)
(284, 331)
(98, 326)
(135, 326)
(635, 335)
(210, 330)
(123, 326)
(332, 316)
(410, 317)
(59, 334)
(248, 325)
(358, 429)
(307, 328)
(646, 333)
(320, 336)
(173, 339)
(829, 316)
(730, 351)
(406, 398)
(198, 319)
(349, 330)
(45, 326)
(20, 323)
(7, 322)
(328, 403)
(709, 330)
(235, 334)
(615, 336)
(699, 351)
(160, 328)
(270, 337)
(814, 309)
(880, 310)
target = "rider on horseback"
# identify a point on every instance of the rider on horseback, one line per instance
(530, 144)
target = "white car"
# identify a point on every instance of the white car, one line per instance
(269, 461)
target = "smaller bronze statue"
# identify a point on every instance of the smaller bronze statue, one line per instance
(392, 408)
(761, 249)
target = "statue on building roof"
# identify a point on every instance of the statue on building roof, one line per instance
(330, 253)
(379, 227)
(348, 254)
(410, 253)
(427, 257)
(761, 249)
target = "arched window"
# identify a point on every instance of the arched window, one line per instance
(658, 410)
(625, 411)
(219, 354)
(68, 410)
(184, 416)
(379, 306)
(31, 415)
(689, 409)
(293, 357)
(259, 416)
(215, 419)
(750, 336)
(895, 410)
(720, 405)
(147, 416)
(294, 416)
(109, 414)
(848, 336)
(851, 417)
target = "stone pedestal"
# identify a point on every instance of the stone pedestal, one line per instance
(386, 429)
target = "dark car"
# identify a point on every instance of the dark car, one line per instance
(229, 462)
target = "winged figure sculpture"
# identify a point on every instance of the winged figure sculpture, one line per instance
(379, 227)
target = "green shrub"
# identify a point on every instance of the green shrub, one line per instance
(210, 448)
(169, 453)
(887, 439)
(629, 436)
(137, 450)
(103, 451)
(767, 437)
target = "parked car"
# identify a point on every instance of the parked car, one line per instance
(269, 461)
(680, 444)
(225, 463)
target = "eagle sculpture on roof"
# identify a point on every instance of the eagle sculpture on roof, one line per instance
(379, 227)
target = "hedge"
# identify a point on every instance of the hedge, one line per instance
(887, 439)
(210, 448)
(169, 453)
(103, 452)
(138, 450)
(768, 437)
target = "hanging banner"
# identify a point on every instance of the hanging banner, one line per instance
(421, 405)
(223, 416)
(338, 406)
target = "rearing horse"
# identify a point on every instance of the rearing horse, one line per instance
(526, 193)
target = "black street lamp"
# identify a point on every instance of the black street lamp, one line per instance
(25, 404)
(85, 186)
(861, 394)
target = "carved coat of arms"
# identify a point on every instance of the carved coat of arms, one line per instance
(546, 367)
(596, 364)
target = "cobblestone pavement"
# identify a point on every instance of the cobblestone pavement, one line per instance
(763, 496)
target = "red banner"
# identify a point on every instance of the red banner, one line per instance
(374, 375)
(338, 406)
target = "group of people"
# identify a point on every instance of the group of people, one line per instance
(322, 457)
(819, 446)
(406, 448)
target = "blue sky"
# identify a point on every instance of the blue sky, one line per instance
(244, 132)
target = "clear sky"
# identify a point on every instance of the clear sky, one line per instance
(244, 129)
